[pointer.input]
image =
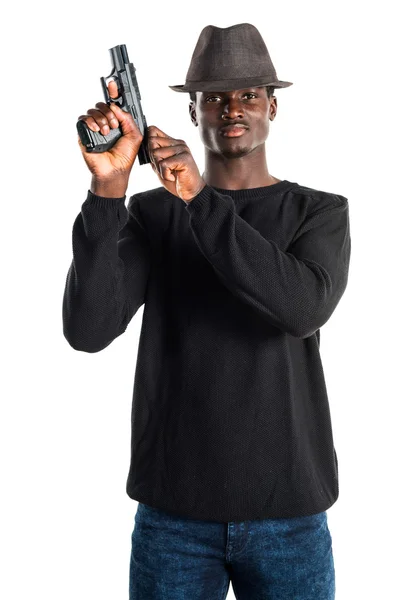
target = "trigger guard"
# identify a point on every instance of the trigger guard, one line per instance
(115, 101)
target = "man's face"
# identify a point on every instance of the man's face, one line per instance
(250, 106)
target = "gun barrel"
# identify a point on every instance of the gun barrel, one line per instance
(125, 71)
(119, 56)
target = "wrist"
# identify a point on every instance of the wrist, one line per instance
(201, 188)
(113, 188)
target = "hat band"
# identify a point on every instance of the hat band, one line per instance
(230, 84)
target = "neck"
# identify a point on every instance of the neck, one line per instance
(239, 173)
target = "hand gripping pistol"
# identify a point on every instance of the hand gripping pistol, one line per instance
(123, 73)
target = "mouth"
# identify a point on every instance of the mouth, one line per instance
(233, 130)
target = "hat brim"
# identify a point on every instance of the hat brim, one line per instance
(227, 85)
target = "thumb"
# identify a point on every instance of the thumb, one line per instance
(125, 120)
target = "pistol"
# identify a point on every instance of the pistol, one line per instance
(123, 73)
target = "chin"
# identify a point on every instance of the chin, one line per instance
(235, 152)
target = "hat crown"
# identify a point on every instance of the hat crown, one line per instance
(238, 51)
(230, 58)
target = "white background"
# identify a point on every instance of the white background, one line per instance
(66, 520)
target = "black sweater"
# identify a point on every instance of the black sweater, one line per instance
(230, 414)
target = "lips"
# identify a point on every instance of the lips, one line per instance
(235, 127)
(233, 130)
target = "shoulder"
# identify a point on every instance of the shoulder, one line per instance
(318, 200)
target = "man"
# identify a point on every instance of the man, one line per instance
(232, 457)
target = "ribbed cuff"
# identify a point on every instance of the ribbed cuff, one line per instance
(103, 201)
(202, 198)
(104, 208)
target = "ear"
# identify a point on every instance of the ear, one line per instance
(192, 112)
(273, 107)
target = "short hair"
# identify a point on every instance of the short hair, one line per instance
(270, 92)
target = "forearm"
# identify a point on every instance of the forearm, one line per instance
(107, 278)
(295, 291)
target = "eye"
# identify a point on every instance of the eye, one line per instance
(247, 94)
(211, 97)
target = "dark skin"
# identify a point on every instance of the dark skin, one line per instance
(231, 162)
(235, 162)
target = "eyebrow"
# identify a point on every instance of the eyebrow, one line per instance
(224, 93)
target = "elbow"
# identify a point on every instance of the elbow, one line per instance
(303, 332)
(309, 323)
(320, 309)
(80, 344)
(306, 327)
(318, 301)
(303, 329)
(84, 335)
(88, 348)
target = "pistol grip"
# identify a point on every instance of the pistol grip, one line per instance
(94, 141)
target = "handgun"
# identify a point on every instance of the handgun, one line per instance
(123, 73)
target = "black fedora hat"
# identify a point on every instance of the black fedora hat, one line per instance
(230, 58)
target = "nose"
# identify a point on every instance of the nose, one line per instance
(232, 108)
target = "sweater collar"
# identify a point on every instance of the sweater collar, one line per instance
(257, 192)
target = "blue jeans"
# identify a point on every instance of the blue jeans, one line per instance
(178, 558)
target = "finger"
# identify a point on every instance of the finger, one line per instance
(155, 142)
(113, 89)
(155, 131)
(126, 121)
(166, 166)
(166, 151)
(90, 122)
(104, 117)
(159, 154)
(100, 120)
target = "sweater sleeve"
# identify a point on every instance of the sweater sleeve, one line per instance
(106, 282)
(297, 290)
